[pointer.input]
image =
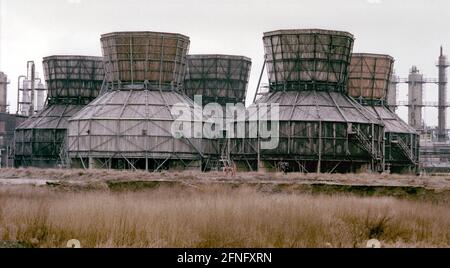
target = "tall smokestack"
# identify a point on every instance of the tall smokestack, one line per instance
(442, 114)
(33, 81)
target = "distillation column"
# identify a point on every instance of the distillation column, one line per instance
(3, 92)
(392, 92)
(442, 115)
(415, 95)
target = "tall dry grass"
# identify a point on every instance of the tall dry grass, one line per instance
(216, 217)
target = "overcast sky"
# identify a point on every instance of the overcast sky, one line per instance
(411, 31)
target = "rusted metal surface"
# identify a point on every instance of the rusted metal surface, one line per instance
(369, 76)
(135, 57)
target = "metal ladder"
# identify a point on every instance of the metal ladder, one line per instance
(364, 143)
(64, 161)
(405, 149)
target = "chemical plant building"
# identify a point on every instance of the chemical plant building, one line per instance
(73, 82)
(30, 92)
(434, 143)
(336, 109)
(8, 123)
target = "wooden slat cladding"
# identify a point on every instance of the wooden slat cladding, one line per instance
(159, 58)
(217, 78)
(313, 126)
(73, 76)
(39, 140)
(300, 140)
(308, 59)
(369, 76)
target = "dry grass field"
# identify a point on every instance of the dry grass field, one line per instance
(216, 216)
(95, 177)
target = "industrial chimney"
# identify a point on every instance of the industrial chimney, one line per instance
(442, 115)
(321, 129)
(3, 92)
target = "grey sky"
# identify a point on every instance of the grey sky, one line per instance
(411, 31)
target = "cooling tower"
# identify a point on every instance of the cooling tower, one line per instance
(73, 81)
(130, 125)
(321, 129)
(304, 60)
(369, 81)
(220, 79)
